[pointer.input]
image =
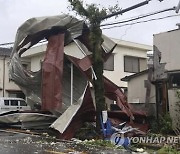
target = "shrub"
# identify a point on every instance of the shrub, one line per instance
(164, 125)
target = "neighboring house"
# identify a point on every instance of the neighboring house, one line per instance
(167, 71)
(165, 78)
(137, 91)
(7, 88)
(127, 58)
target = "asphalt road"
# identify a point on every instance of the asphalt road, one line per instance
(22, 143)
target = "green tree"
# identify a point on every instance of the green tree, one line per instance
(94, 15)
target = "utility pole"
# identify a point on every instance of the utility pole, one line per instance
(95, 17)
(96, 34)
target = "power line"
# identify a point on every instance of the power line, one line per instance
(153, 19)
(139, 17)
(127, 9)
(119, 12)
(125, 21)
(9, 43)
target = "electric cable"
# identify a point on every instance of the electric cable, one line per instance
(153, 19)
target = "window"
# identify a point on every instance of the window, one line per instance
(125, 90)
(6, 102)
(109, 64)
(25, 66)
(14, 102)
(174, 80)
(131, 64)
(16, 94)
(23, 103)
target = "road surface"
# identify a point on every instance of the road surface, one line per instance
(12, 142)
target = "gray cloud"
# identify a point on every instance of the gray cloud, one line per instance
(14, 12)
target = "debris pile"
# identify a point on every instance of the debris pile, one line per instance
(51, 88)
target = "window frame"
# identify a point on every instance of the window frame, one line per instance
(22, 103)
(107, 67)
(6, 102)
(173, 77)
(12, 101)
(133, 57)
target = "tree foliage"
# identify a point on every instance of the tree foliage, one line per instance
(92, 12)
(95, 14)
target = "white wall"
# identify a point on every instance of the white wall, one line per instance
(172, 106)
(4, 77)
(168, 44)
(36, 54)
(120, 52)
(137, 90)
(1, 72)
(36, 50)
(122, 49)
(36, 62)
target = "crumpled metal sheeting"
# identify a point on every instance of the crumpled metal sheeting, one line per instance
(36, 25)
(64, 120)
(52, 73)
(78, 86)
(74, 117)
(36, 29)
(28, 120)
(29, 82)
(108, 44)
(139, 121)
(112, 91)
(32, 31)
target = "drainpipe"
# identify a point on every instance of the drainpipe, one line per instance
(157, 101)
(4, 59)
(167, 97)
(71, 83)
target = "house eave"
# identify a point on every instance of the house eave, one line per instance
(128, 78)
(129, 44)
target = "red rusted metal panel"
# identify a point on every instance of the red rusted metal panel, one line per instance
(52, 72)
(84, 114)
(112, 91)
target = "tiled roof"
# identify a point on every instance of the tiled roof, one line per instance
(5, 51)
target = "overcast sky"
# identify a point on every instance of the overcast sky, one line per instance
(13, 13)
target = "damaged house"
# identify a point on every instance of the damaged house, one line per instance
(63, 85)
(126, 59)
(7, 87)
(155, 89)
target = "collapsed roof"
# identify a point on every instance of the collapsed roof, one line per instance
(50, 86)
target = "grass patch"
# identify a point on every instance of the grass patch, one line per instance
(168, 150)
(102, 143)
